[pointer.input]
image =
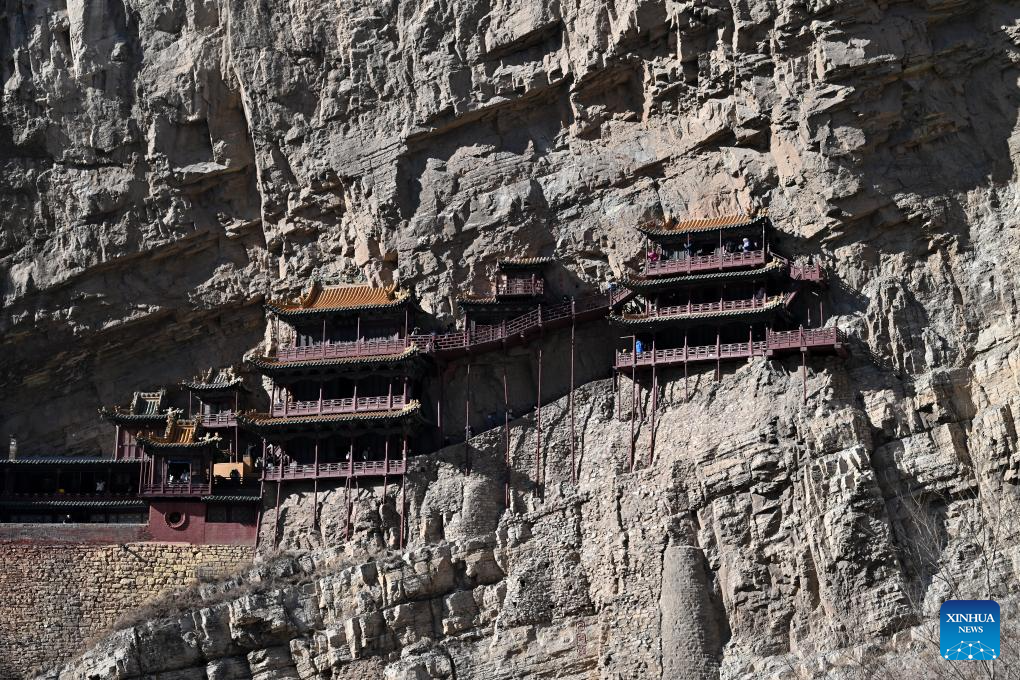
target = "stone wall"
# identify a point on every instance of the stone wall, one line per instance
(58, 595)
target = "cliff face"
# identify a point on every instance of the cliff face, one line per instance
(167, 164)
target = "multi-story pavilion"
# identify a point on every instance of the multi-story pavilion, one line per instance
(343, 404)
(518, 288)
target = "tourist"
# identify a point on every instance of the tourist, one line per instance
(748, 246)
(653, 256)
(639, 346)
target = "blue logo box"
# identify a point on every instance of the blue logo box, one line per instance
(969, 630)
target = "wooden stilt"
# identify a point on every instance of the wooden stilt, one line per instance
(506, 438)
(276, 517)
(467, 423)
(633, 403)
(386, 465)
(439, 404)
(687, 393)
(573, 462)
(403, 497)
(538, 422)
(618, 390)
(803, 372)
(350, 509)
(718, 359)
(262, 496)
(315, 488)
(655, 403)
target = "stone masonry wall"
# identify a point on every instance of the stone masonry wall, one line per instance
(57, 596)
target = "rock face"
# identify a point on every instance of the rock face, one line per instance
(165, 165)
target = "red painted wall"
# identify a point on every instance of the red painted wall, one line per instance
(195, 529)
(104, 534)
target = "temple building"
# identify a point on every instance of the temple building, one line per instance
(214, 401)
(146, 414)
(71, 489)
(343, 404)
(714, 290)
(189, 499)
(518, 288)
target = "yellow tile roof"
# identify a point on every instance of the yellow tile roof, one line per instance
(703, 224)
(335, 298)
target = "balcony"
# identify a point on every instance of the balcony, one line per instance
(705, 263)
(342, 350)
(214, 420)
(694, 309)
(374, 468)
(520, 287)
(177, 489)
(802, 339)
(317, 407)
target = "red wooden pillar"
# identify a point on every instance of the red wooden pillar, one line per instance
(403, 496)
(320, 396)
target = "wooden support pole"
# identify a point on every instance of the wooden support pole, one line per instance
(315, 488)
(655, 403)
(538, 421)
(386, 465)
(803, 372)
(687, 394)
(403, 497)
(573, 462)
(237, 429)
(718, 359)
(633, 402)
(506, 438)
(618, 389)
(262, 496)
(467, 422)
(350, 509)
(276, 517)
(441, 369)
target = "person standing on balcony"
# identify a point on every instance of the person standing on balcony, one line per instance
(639, 347)
(747, 246)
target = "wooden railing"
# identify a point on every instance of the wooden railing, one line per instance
(774, 341)
(345, 405)
(707, 307)
(520, 326)
(807, 272)
(512, 287)
(804, 337)
(221, 419)
(340, 350)
(177, 489)
(703, 263)
(373, 468)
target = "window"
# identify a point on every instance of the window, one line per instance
(235, 514)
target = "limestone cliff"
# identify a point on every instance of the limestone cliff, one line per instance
(166, 165)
